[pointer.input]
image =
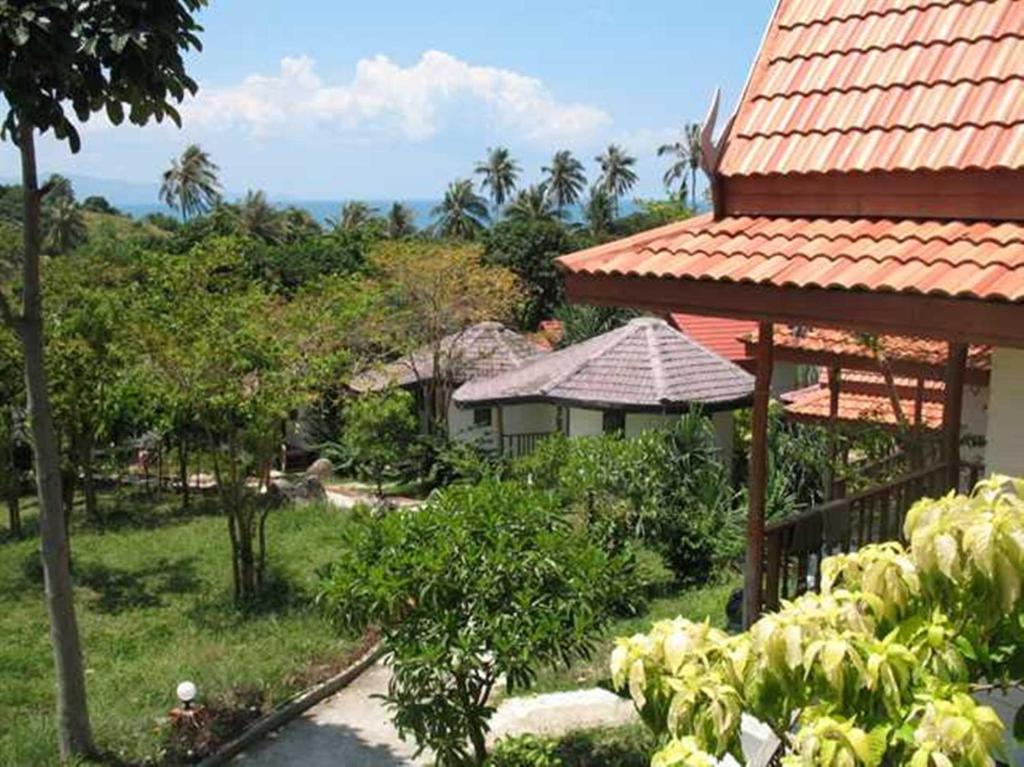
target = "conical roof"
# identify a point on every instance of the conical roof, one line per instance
(643, 365)
(482, 350)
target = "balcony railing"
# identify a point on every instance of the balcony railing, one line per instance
(515, 445)
(794, 547)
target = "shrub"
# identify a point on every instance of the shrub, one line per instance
(483, 582)
(379, 432)
(669, 489)
(525, 751)
(877, 669)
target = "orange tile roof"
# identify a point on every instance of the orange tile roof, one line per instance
(884, 85)
(954, 259)
(721, 335)
(814, 406)
(905, 348)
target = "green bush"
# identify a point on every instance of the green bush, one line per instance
(668, 489)
(380, 430)
(525, 751)
(484, 582)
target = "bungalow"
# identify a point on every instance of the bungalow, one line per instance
(639, 376)
(479, 351)
(869, 181)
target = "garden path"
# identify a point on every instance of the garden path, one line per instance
(353, 728)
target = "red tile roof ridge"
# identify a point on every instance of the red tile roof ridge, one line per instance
(901, 86)
(863, 15)
(867, 129)
(902, 46)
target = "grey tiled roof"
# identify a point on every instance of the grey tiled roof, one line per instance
(482, 350)
(643, 365)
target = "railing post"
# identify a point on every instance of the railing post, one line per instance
(752, 593)
(773, 569)
(956, 364)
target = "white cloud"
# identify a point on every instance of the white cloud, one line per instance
(386, 99)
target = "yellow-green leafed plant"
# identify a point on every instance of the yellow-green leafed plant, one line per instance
(878, 669)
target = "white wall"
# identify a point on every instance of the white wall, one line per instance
(974, 422)
(724, 424)
(640, 422)
(1005, 450)
(534, 418)
(585, 423)
(462, 428)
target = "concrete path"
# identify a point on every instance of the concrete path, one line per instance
(353, 729)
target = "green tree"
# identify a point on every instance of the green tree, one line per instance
(99, 204)
(462, 213)
(378, 433)
(299, 224)
(191, 184)
(484, 582)
(260, 219)
(90, 56)
(529, 249)
(12, 404)
(401, 222)
(430, 292)
(617, 173)
(564, 179)
(355, 214)
(533, 204)
(599, 212)
(879, 668)
(499, 175)
(686, 156)
(65, 227)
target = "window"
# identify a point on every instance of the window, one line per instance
(613, 421)
(482, 416)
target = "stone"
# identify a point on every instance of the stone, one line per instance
(321, 468)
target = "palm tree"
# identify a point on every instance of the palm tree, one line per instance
(401, 221)
(299, 223)
(190, 184)
(354, 214)
(599, 211)
(687, 156)
(533, 204)
(65, 226)
(617, 174)
(261, 219)
(565, 180)
(462, 213)
(500, 174)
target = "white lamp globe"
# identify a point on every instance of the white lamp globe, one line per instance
(186, 692)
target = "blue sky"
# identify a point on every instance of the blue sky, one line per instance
(324, 99)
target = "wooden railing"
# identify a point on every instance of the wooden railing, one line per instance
(794, 547)
(515, 445)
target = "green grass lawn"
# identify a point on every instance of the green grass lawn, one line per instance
(153, 593)
(695, 604)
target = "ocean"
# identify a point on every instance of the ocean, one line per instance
(322, 210)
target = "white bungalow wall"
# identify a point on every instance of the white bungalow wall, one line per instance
(1004, 452)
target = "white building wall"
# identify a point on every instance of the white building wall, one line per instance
(724, 423)
(533, 418)
(641, 422)
(462, 428)
(1004, 452)
(585, 423)
(974, 424)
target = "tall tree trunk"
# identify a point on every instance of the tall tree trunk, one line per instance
(73, 728)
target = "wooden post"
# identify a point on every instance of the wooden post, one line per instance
(956, 365)
(835, 373)
(752, 600)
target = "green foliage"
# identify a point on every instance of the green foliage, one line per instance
(876, 669)
(652, 214)
(483, 582)
(289, 266)
(379, 432)
(529, 249)
(581, 322)
(92, 57)
(524, 751)
(668, 488)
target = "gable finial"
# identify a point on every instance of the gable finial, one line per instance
(711, 151)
